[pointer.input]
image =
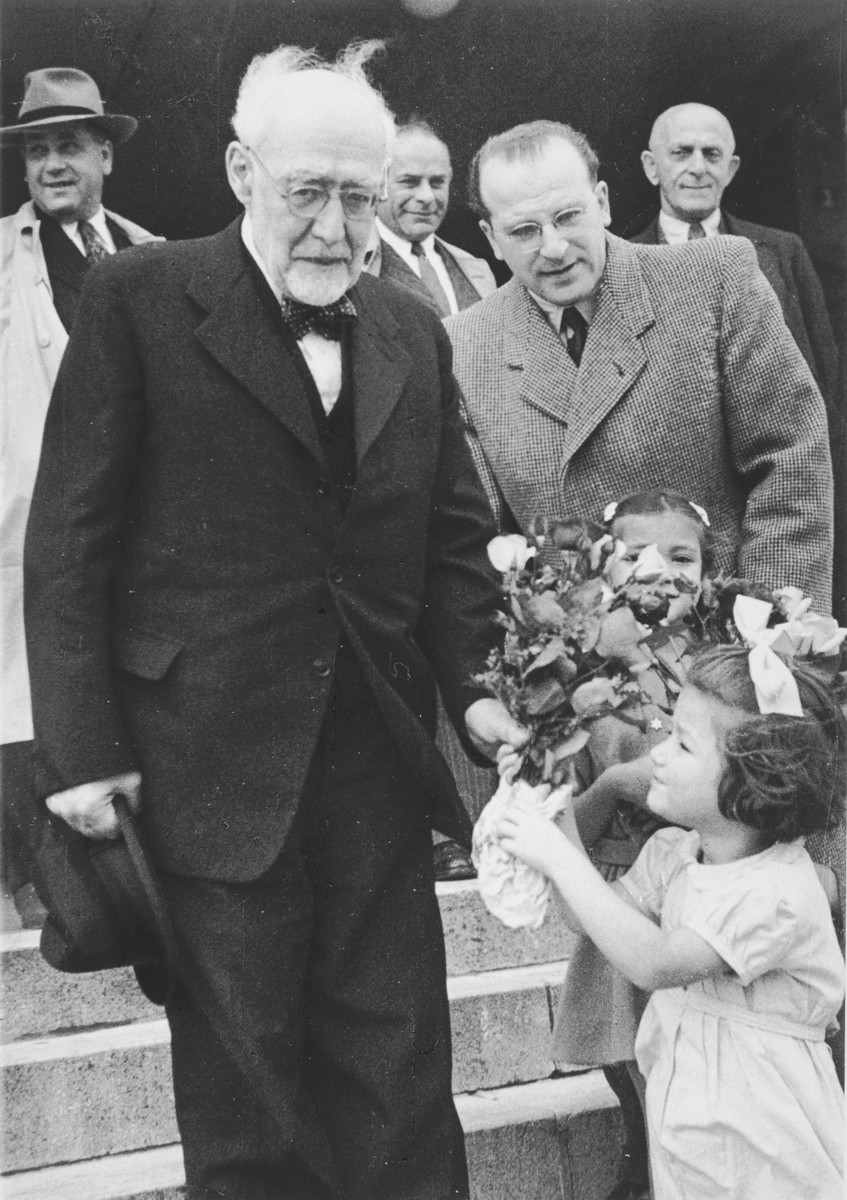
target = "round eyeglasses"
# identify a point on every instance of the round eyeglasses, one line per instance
(529, 235)
(307, 201)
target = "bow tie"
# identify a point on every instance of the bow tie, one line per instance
(327, 320)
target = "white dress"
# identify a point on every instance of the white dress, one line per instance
(743, 1102)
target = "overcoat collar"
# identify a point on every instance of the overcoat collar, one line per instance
(240, 332)
(613, 358)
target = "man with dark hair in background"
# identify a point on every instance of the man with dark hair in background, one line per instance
(408, 218)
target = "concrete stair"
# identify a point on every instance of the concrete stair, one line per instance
(86, 1075)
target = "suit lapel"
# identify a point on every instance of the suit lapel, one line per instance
(533, 347)
(398, 272)
(380, 363)
(614, 356)
(64, 261)
(242, 336)
(461, 276)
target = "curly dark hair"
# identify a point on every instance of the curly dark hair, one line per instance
(785, 776)
(659, 500)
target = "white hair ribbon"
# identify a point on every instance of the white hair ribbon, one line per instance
(776, 687)
(701, 513)
(751, 618)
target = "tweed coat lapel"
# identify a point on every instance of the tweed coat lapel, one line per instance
(381, 365)
(614, 355)
(533, 348)
(240, 333)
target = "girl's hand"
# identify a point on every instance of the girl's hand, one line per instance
(533, 838)
(509, 762)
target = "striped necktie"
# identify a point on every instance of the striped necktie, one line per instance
(95, 250)
(430, 279)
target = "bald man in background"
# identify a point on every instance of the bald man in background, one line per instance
(692, 160)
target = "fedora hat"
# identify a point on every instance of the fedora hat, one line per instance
(58, 95)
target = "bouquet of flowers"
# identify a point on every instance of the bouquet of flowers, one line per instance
(573, 651)
(576, 649)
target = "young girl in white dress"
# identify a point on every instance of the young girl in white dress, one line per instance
(744, 968)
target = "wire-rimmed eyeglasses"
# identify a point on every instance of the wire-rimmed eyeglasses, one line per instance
(307, 201)
(529, 235)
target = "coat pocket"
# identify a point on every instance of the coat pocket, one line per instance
(145, 654)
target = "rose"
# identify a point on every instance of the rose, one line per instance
(510, 552)
(596, 694)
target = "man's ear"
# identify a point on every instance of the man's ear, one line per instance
(492, 241)
(108, 152)
(602, 193)
(734, 164)
(648, 162)
(239, 171)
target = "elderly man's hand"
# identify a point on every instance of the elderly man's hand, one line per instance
(88, 808)
(490, 725)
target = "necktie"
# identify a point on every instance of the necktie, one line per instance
(95, 251)
(695, 230)
(575, 328)
(328, 320)
(430, 279)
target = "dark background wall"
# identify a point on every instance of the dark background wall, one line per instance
(606, 66)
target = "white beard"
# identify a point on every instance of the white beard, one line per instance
(311, 284)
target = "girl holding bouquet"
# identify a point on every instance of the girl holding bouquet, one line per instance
(744, 968)
(665, 537)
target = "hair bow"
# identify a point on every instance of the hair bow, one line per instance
(776, 688)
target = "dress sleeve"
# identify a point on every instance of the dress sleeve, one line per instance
(749, 922)
(660, 860)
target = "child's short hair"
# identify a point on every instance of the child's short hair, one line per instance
(784, 776)
(658, 500)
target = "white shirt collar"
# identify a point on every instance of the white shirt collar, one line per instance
(98, 221)
(402, 245)
(676, 231)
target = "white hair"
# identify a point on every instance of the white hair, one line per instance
(258, 94)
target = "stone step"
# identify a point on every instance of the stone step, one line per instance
(39, 1000)
(107, 1090)
(557, 1139)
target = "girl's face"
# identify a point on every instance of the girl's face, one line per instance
(687, 768)
(677, 539)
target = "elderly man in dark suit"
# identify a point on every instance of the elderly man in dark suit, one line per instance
(692, 160)
(257, 539)
(605, 368)
(406, 250)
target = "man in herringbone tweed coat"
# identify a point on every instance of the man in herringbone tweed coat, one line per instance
(673, 367)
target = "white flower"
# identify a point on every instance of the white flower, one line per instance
(650, 564)
(513, 892)
(510, 551)
(609, 512)
(789, 600)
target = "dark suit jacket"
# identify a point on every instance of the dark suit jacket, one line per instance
(471, 277)
(689, 380)
(786, 265)
(190, 570)
(67, 266)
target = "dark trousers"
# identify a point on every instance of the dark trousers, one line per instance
(330, 968)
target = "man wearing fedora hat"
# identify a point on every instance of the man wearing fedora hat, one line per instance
(46, 249)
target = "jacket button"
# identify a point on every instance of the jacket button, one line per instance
(321, 666)
(336, 575)
(323, 487)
